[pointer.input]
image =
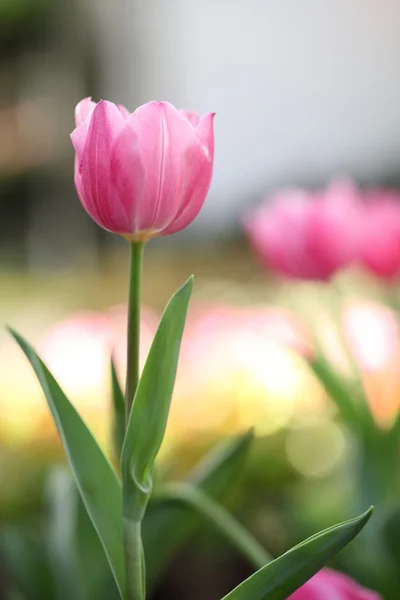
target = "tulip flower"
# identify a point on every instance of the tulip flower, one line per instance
(331, 585)
(307, 235)
(380, 247)
(142, 174)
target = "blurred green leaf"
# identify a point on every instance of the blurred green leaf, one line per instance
(118, 402)
(391, 535)
(22, 13)
(222, 464)
(167, 526)
(348, 393)
(283, 576)
(337, 389)
(75, 552)
(149, 414)
(23, 554)
(96, 479)
(220, 518)
(378, 448)
(60, 535)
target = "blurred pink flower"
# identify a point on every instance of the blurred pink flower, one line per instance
(275, 324)
(380, 243)
(142, 174)
(371, 332)
(307, 235)
(77, 349)
(332, 585)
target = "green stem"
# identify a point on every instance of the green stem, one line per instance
(134, 557)
(216, 514)
(134, 560)
(132, 369)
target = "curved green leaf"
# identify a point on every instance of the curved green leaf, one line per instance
(167, 525)
(96, 479)
(283, 576)
(149, 414)
(118, 403)
(220, 518)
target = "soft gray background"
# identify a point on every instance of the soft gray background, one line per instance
(303, 90)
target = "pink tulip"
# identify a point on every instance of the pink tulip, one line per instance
(142, 174)
(380, 248)
(307, 235)
(331, 585)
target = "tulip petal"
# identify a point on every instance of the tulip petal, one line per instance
(127, 178)
(78, 138)
(191, 116)
(78, 180)
(83, 110)
(205, 133)
(197, 180)
(124, 111)
(105, 124)
(165, 135)
(197, 173)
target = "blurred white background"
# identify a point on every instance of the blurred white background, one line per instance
(303, 91)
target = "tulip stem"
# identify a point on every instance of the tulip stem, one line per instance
(134, 557)
(134, 560)
(132, 367)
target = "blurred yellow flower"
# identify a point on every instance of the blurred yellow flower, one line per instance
(240, 367)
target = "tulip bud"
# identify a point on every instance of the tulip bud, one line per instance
(142, 174)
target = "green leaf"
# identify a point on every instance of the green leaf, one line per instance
(62, 500)
(97, 580)
(24, 559)
(167, 526)
(283, 576)
(75, 552)
(118, 402)
(149, 414)
(221, 519)
(347, 392)
(97, 481)
(222, 464)
(338, 390)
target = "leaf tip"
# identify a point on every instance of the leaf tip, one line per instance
(187, 287)
(190, 282)
(250, 433)
(17, 337)
(365, 517)
(247, 436)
